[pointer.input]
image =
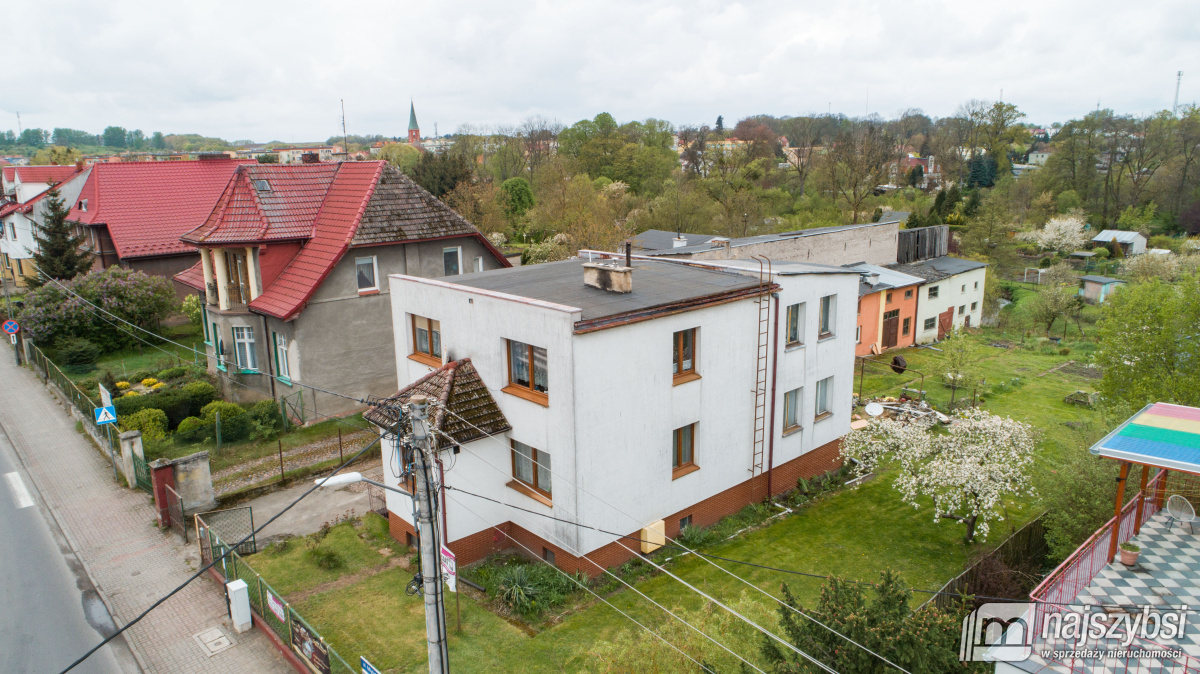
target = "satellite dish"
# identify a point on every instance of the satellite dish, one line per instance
(899, 365)
(874, 409)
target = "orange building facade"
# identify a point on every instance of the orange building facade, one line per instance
(887, 310)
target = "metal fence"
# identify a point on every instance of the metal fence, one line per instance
(176, 513)
(292, 407)
(233, 524)
(51, 374)
(1028, 542)
(269, 606)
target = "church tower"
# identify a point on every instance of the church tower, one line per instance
(414, 130)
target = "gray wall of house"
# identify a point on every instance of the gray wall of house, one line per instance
(342, 341)
(873, 245)
(167, 267)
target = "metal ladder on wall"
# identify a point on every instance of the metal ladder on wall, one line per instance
(760, 379)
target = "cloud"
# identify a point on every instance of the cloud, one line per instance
(278, 70)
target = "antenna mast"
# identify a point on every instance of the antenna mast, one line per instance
(19, 131)
(1178, 80)
(345, 138)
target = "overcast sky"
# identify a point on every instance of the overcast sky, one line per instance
(264, 71)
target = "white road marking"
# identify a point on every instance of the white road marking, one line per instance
(20, 493)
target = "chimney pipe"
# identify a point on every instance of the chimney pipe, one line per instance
(628, 255)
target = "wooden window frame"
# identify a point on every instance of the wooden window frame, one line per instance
(888, 315)
(906, 326)
(928, 325)
(794, 311)
(520, 390)
(425, 357)
(798, 395)
(827, 317)
(678, 467)
(533, 490)
(908, 294)
(819, 414)
(932, 292)
(684, 376)
(887, 297)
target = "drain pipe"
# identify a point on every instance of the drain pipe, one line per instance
(774, 377)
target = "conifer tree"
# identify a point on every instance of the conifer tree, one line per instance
(61, 254)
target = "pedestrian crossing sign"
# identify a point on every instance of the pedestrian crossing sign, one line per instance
(106, 415)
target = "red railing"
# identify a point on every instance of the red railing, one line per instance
(1060, 588)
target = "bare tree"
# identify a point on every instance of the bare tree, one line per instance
(694, 153)
(856, 163)
(1146, 149)
(539, 136)
(803, 135)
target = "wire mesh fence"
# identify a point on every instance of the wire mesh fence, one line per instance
(233, 524)
(268, 604)
(85, 404)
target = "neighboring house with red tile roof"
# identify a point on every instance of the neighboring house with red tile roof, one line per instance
(22, 183)
(134, 212)
(293, 262)
(19, 220)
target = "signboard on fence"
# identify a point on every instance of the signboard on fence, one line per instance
(310, 649)
(449, 569)
(367, 668)
(276, 605)
(105, 396)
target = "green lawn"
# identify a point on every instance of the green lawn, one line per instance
(126, 362)
(854, 533)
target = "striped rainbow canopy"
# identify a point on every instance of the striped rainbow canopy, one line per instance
(1162, 434)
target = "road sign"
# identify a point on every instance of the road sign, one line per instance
(13, 339)
(106, 415)
(105, 396)
(11, 327)
(449, 569)
(367, 668)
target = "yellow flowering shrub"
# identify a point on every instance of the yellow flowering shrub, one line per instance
(132, 393)
(122, 385)
(158, 386)
(149, 381)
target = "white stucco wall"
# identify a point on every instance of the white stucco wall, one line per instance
(960, 290)
(613, 406)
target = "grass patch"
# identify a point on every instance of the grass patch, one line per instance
(299, 564)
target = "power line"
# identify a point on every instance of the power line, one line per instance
(623, 582)
(683, 582)
(216, 559)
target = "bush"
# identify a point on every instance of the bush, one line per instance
(77, 352)
(50, 315)
(199, 394)
(149, 381)
(266, 412)
(324, 558)
(192, 308)
(228, 410)
(172, 373)
(517, 588)
(235, 423)
(1101, 253)
(193, 430)
(122, 385)
(151, 422)
(159, 386)
(694, 537)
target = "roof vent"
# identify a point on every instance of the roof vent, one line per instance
(871, 279)
(610, 276)
(679, 242)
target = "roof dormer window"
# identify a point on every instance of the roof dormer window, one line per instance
(262, 185)
(83, 205)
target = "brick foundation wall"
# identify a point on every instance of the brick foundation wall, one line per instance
(490, 541)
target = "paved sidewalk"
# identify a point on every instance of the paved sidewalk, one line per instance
(113, 531)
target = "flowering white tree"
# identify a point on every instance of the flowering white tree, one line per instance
(967, 470)
(1064, 233)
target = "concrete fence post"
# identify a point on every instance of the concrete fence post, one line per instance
(131, 445)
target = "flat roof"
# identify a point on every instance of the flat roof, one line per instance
(1161, 434)
(655, 283)
(889, 218)
(888, 278)
(938, 268)
(1100, 279)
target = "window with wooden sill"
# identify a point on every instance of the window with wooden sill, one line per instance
(683, 451)
(531, 473)
(528, 374)
(427, 341)
(684, 356)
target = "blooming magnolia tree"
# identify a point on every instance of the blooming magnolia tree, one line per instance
(1063, 233)
(967, 470)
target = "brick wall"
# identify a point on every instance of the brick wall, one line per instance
(482, 544)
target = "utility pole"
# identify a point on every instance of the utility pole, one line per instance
(427, 537)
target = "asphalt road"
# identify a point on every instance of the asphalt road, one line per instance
(50, 613)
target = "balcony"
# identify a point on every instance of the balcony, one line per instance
(239, 297)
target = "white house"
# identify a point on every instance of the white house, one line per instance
(639, 387)
(22, 183)
(952, 296)
(19, 220)
(1131, 243)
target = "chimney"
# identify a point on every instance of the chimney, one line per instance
(871, 279)
(679, 242)
(608, 276)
